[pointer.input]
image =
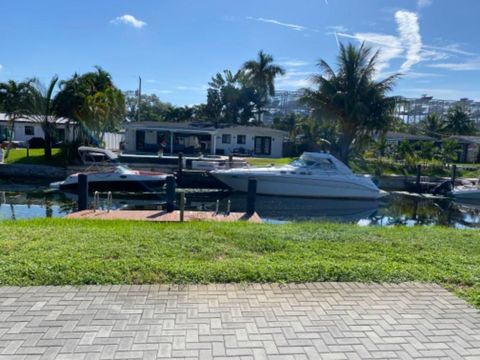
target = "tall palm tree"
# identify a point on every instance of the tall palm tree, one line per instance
(351, 99)
(457, 122)
(13, 100)
(262, 73)
(433, 125)
(41, 109)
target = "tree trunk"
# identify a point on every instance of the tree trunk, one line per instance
(48, 145)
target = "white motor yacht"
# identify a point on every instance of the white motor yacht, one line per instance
(120, 179)
(318, 175)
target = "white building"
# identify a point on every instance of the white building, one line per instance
(191, 138)
(26, 129)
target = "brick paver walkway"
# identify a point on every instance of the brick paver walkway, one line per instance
(305, 321)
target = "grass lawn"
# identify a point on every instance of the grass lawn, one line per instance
(37, 157)
(61, 251)
(254, 161)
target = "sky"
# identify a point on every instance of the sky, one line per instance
(176, 46)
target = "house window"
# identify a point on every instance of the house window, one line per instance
(29, 130)
(241, 139)
(226, 138)
(263, 145)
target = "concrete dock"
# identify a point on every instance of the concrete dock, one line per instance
(163, 216)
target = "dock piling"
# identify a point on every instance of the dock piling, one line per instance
(82, 192)
(217, 207)
(182, 206)
(251, 196)
(454, 174)
(230, 161)
(170, 181)
(417, 182)
(180, 163)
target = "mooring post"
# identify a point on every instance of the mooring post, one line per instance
(251, 195)
(180, 163)
(230, 160)
(454, 174)
(417, 182)
(170, 193)
(82, 192)
(182, 206)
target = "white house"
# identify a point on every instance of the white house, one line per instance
(26, 129)
(190, 138)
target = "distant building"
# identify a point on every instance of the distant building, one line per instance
(395, 138)
(192, 138)
(413, 110)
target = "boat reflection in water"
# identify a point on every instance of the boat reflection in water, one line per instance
(277, 208)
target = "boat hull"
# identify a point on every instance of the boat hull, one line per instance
(328, 187)
(131, 186)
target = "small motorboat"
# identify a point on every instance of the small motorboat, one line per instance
(120, 179)
(466, 193)
(315, 175)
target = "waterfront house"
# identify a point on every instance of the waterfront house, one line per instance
(470, 148)
(395, 138)
(193, 138)
(26, 129)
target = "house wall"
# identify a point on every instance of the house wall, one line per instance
(249, 132)
(249, 146)
(21, 135)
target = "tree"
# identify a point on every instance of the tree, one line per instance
(13, 100)
(458, 122)
(261, 73)
(449, 151)
(351, 100)
(432, 125)
(40, 104)
(93, 101)
(231, 97)
(151, 107)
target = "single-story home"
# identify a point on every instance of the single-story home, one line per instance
(25, 129)
(470, 146)
(191, 138)
(395, 138)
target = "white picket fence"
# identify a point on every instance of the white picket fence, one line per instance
(112, 140)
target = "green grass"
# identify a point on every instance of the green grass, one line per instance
(61, 251)
(254, 161)
(36, 157)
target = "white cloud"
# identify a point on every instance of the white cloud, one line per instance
(424, 3)
(465, 66)
(160, 91)
(293, 79)
(1, 67)
(192, 88)
(410, 38)
(294, 63)
(276, 22)
(336, 28)
(129, 20)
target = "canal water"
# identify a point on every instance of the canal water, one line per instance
(27, 201)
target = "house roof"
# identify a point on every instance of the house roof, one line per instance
(464, 139)
(200, 127)
(59, 121)
(390, 135)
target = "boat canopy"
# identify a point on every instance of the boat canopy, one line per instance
(85, 151)
(325, 160)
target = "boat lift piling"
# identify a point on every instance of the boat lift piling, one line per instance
(82, 192)
(170, 185)
(454, 174)
(417, 181)
(251, 196)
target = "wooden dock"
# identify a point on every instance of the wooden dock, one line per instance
(163, 216)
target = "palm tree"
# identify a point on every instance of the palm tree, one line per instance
(13, 100)
(433, 125)
(262, 73)
(458, 122)
(351, 98)
(41, 109)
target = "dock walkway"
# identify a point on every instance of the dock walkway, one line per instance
(163, 216)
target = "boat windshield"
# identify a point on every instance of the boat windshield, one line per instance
(324, 164)
(122, 169)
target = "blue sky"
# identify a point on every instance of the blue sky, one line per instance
(177, 45)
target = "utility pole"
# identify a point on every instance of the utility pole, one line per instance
(139, 97)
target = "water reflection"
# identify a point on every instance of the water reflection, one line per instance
(396, 209)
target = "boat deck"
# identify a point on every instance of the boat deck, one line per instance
(163, 216)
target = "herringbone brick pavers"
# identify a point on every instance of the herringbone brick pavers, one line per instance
(260, 321)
